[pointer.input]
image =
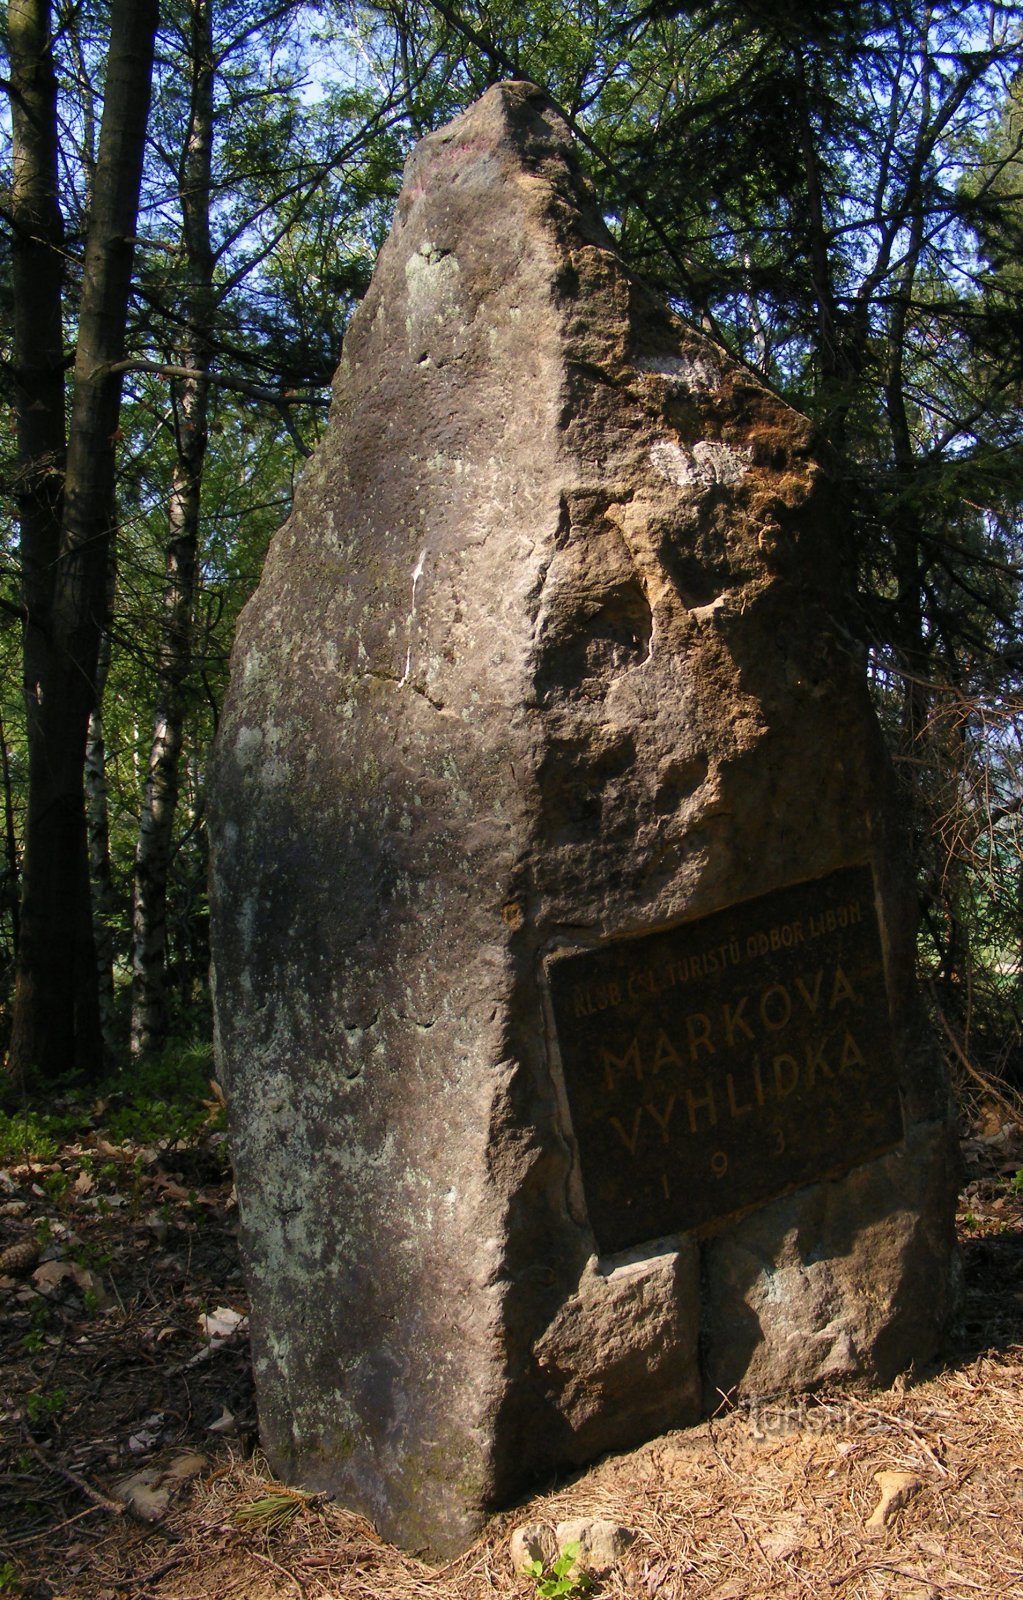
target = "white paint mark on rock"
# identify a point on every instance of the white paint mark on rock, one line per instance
(248, 745)
(417, 573)
(697, 373)
(701, 465)
(432, 279)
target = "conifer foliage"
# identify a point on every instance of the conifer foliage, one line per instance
(193, 196)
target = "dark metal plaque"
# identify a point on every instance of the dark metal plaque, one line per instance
(716, 1064)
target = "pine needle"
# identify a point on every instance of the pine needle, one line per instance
(271, 1510)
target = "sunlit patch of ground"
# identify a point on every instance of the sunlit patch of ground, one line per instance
(127, 1428)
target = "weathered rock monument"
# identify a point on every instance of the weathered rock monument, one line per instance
(563, 943)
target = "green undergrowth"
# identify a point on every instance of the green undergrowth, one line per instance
(31, 1136)
(563, 1580)
(164, 1100)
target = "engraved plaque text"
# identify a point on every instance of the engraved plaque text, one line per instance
(716, 1064)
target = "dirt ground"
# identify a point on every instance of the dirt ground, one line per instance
(128, 1464)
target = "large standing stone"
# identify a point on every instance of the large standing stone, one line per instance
(556, 886)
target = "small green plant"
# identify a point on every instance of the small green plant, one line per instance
(26, 1137)
(90, 1255)
(39, 1313)
(1016, 1183)
(562, 1581)
(40, 1406)
(56, 1184)
(9, 1583)
(165, 1098)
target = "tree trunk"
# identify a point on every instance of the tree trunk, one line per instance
(56, 1012)
(104, 898)
(37, 274)
(12, 874)
(155, 844)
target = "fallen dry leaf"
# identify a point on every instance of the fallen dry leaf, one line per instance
(171, 1188)
(52, 1274)
(782, 1542)
(147, 1434)
(222, 1324)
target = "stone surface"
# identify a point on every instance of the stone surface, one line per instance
(629, 1331)
(602, 1544)
(149, 1492)
(837, 1283)
(553, 653)
(534, 1541)
(896, 1489)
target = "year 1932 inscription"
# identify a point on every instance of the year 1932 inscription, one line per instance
(713, 1065)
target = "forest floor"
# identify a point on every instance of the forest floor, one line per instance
(127, 1427)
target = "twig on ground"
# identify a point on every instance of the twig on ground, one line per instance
(113, 1508)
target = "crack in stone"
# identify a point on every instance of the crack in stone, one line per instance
(590, 369)
(406, 683)
(361, 1027)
